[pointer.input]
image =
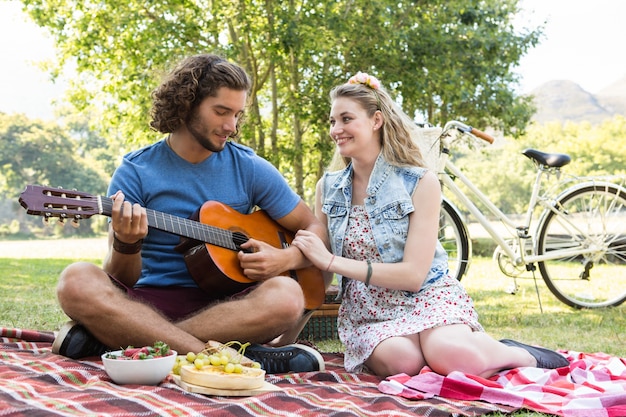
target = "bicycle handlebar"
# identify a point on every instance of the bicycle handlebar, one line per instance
(482, 135)
(462, 127)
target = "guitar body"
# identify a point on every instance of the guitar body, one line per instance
(216, 269)
(208, 275)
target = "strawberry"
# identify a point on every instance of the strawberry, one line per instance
(158, 350)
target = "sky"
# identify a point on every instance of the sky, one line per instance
(583, 42)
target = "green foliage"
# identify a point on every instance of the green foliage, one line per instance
(11, 228)
(442, 59)
(595, 149)
(451, 60)
(46, 153)
(43, 153)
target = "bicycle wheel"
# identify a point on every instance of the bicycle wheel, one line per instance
(455, 240)
(591, 217)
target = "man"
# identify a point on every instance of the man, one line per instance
(144, 292)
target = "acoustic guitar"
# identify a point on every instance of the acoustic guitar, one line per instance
(211, 238)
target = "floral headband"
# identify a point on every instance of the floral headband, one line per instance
(365, 79)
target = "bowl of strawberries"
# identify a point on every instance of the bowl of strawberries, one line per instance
(147, 365)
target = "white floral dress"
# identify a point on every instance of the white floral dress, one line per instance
(369, 315)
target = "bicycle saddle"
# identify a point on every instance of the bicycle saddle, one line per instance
(552, 160)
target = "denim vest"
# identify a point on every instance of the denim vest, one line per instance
(388, 206)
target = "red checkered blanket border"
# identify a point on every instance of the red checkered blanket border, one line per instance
(594, 385)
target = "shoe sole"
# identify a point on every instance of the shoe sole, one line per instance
(60, 337)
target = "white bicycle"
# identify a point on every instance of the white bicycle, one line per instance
(578, 241)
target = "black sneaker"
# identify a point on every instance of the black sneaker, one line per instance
(290, 358)
(75, 342)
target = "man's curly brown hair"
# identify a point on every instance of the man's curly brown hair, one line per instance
(194, 79)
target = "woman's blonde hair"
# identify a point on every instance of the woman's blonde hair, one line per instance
(399, 132)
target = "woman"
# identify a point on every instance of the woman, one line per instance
(400, 309)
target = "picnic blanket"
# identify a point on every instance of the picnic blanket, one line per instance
(594, 385)
(35, 382)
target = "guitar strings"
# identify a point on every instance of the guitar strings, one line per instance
(188, 228)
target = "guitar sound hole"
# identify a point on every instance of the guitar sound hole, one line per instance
(239, 239)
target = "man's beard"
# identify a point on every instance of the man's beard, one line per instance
(193, 126)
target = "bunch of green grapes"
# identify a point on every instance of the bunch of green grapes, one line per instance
(222, 358)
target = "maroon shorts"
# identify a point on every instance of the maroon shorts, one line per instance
(176, 303)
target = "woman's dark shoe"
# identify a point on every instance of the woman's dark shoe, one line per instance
(546, 358)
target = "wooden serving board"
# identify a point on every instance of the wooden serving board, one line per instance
(266, 387)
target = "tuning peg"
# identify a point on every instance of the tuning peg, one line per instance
(75, 223)
(61, 221)
(45, 221)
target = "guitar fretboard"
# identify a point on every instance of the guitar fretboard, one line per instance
(185, 227)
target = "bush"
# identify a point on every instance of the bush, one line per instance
(483, 247)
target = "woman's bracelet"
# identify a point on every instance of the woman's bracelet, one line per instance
(126, 248)
(330, 263)
(369, 273)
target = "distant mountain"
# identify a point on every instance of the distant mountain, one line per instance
(562, 100)
(613, 97)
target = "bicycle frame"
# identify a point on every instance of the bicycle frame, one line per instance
(517, 254)
(577, 241)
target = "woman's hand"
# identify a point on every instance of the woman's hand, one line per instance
(313, 248)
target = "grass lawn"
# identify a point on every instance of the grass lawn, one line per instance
(28, 301)
(520, 316)
(27, 293)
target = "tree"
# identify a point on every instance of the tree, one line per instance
(442, 58)
(37, 152)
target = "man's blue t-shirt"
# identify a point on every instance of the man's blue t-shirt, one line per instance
(158, 179)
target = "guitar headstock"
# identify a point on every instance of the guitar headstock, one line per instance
(58, 202)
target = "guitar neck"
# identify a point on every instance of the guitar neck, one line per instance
(183, 227)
